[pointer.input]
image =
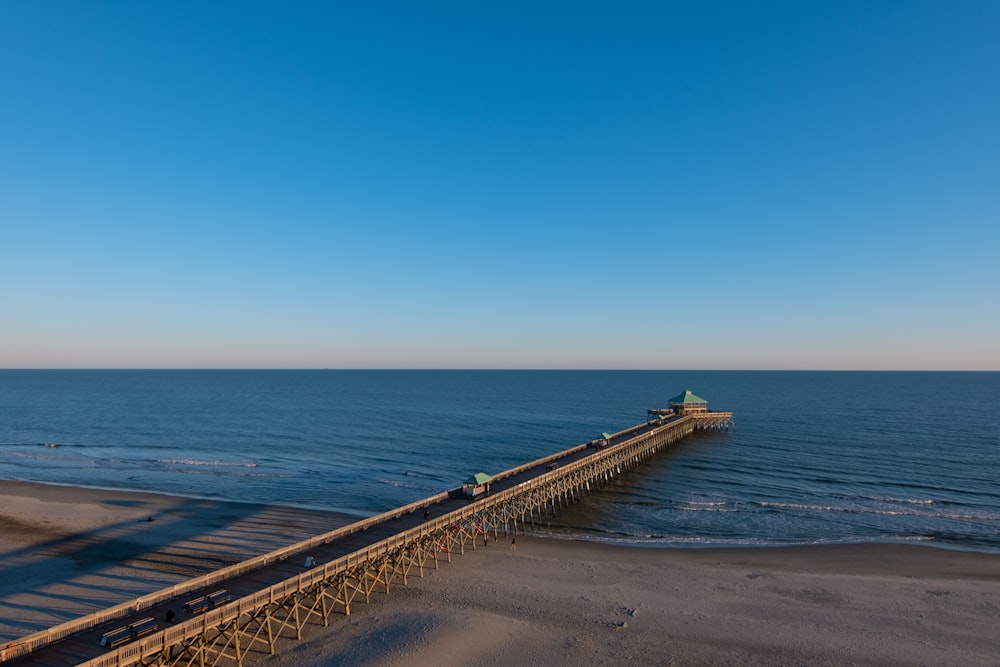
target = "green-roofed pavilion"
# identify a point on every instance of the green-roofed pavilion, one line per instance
(686, 403)
(686, 397)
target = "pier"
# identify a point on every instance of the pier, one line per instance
(221, 617)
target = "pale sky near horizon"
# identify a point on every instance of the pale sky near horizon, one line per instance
(790, 185)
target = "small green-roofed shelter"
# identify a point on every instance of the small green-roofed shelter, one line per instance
(687, 402)
(479, 479)
(477, 484)
(606, 436)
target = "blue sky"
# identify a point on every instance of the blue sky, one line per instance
(500, 185)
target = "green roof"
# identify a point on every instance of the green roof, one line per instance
(606, 436)
(687, 398)
(478, 478)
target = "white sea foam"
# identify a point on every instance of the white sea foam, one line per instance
(197, 462)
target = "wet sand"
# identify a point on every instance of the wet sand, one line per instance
(67, 551)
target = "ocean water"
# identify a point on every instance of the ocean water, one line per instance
(816, 457)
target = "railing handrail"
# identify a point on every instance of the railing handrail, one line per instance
(45, 637)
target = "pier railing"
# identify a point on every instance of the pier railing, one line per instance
(628, 446)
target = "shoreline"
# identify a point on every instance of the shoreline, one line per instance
(66, 551)
(704, 546)
(10, 486)
(26, 484)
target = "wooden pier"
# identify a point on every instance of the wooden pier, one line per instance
(220, 617)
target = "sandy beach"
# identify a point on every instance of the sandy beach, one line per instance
(66, 551)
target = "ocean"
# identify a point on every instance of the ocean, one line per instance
(816, 457)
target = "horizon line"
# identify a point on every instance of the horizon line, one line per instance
(501, 369)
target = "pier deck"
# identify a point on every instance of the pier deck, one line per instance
(273, 595)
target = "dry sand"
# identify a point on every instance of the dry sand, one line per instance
(571, 603)
(66, 551)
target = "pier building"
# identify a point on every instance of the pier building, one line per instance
(688, 404)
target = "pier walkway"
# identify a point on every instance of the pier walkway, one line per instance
(219, 617)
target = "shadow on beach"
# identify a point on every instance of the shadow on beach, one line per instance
(50, 574)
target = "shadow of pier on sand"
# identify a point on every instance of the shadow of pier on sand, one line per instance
(49, 575)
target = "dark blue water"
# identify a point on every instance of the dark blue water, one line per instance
(817, 456)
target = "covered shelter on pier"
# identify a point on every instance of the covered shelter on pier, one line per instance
(477, 484)
(687, 403)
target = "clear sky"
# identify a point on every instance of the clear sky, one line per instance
(653, 185)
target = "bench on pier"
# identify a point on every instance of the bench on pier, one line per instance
(116, 637)
(197, 605)
(146, 626)
(206, 602)
(220, 596)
